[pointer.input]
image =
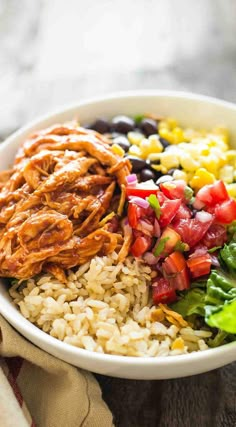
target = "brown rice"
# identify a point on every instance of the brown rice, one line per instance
(104, 307)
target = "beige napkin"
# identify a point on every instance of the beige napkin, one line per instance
(55, 393)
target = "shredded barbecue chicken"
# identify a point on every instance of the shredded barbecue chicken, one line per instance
(54, 200)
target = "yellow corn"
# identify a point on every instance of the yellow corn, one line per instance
(118, 150)
(172, 123)
(178, 134)
(169, 160)
(149, 146)
(134, 150)
(159, 168)
(231, 157)
(155, 144)
(227, 174)
(180, 174)
(163, 124)
(223, 132)
(135, 137)
(231, 188)
(165, 133)
(211, 163)
(202, 177)
(178, 344)
(188, 163)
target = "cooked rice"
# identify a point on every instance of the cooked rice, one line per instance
(104, 307)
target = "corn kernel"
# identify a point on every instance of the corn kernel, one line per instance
(231, 156)
(172, 123)
(190, 176)
(135, 137)
(154, 156)
(179, 174)
(231, 188)
(169, 161)
(188, 163)
(159, 168)
(155, 144)
(134, 150)
(223, 132)
(157, 315)
(178, 344)
(178, 134)
(190, 134)
(144, 148)
(118, 150)
(227, 174)
(216, 141)
(202, 177)
(163, 125)
(165, 133)
(211, 163)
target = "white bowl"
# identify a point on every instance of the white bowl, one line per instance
(190, 110)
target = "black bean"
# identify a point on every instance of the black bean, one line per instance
(137, 164)
(164, 178)
(158, 175)
(123, 142)
(101, 125)
(148, 126)
(123, 124)
(164, 142)
(147, 174)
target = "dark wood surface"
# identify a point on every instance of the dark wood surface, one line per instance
(56, 52)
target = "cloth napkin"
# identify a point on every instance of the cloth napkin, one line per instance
(37, 389)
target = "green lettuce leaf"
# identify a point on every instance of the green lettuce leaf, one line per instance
(193, 302)
(223, 318)
(216, 303)
(228, 258)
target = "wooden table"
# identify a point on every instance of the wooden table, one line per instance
(56, 52)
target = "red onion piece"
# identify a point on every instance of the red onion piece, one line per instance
(157, 229)
(203, 216)
(214, 260)
(139, 202)
(132, 179)
(197, 204)
(149, 258)
(145, 227)
(198, 250)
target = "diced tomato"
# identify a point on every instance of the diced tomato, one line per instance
(161, 197)
(174, 189)
(175, 269)
(219, 192)
(141, 191)
(174, 263)
(183, 212)
(173, 238)
(134, 214)
(200, 265)
(140, 245)
(226, 211)
(163, 292)
(169, 208)
(192, 230)
(215, 236)
(210, 195)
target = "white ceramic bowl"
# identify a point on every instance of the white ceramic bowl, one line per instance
(190, 110)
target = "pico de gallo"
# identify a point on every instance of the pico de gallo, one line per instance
(181, 235)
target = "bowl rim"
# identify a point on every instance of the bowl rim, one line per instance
(114, 96)
(11, 313)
